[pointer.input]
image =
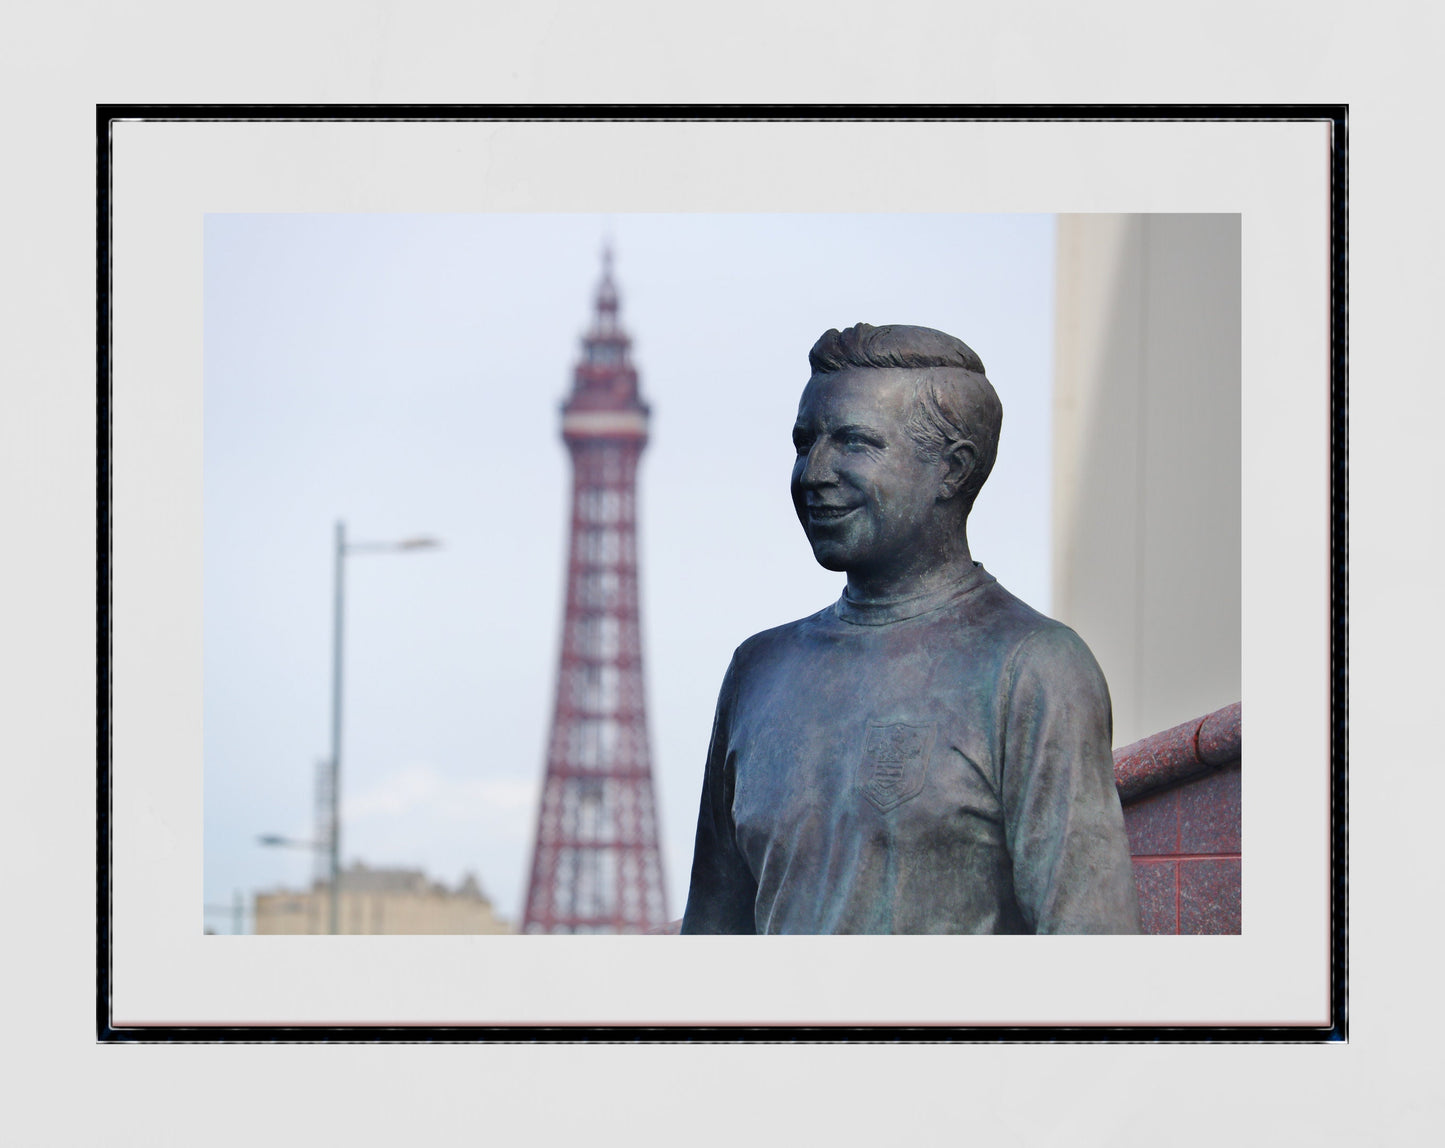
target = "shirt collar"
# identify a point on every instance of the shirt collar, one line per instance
(882, 611)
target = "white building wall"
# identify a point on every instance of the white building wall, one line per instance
(1147, 459)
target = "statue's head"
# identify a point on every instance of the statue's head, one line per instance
(896, 433)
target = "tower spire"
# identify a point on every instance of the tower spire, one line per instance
(605, 319)
(597, 865)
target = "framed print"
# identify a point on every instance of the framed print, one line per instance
(370, 315)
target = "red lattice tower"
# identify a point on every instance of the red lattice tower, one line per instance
(596, 867)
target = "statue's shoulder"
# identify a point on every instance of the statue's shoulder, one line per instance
(1051, 660)
(1032, 640)
(767, 644)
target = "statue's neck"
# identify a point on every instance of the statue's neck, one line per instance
(916, 577)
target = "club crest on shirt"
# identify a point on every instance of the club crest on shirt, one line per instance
(895, 761)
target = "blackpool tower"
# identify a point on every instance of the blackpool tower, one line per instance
(596, 866)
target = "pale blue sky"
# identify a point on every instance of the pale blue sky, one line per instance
(404, 373)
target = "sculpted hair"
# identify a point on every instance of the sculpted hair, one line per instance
(954, 401)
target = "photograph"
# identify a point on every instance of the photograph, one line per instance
(407, 379)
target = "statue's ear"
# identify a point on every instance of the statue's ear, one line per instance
(961, 457)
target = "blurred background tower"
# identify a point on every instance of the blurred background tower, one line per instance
(596, 866)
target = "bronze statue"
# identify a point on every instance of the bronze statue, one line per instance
(928, 754)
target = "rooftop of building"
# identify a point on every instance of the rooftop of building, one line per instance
(360, 877)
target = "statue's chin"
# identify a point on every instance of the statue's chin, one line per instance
(830, 556)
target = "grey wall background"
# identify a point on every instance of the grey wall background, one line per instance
(1378, 58)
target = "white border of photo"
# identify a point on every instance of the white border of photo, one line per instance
(168, 176)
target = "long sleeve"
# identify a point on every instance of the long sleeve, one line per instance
(722, 893)
(1064, 824)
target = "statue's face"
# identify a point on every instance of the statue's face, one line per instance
(866, 500)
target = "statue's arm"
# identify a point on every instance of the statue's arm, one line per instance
(722, 891)
(1065, 826)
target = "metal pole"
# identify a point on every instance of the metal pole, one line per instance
(335, 842)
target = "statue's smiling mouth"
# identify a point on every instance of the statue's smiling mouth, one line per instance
(829, 513)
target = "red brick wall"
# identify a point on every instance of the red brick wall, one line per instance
(1186, 847)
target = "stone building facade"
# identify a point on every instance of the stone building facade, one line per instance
(380, 901)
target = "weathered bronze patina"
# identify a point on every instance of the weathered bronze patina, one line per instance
(928, 754)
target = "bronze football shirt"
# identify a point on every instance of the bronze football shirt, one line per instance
(935, 765)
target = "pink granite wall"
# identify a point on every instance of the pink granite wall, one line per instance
(1186, 847)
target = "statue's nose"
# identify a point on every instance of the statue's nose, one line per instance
(817, 466)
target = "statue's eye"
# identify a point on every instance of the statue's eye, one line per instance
(802, 443)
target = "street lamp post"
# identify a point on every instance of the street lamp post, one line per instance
(334, 838)
(343, 548)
